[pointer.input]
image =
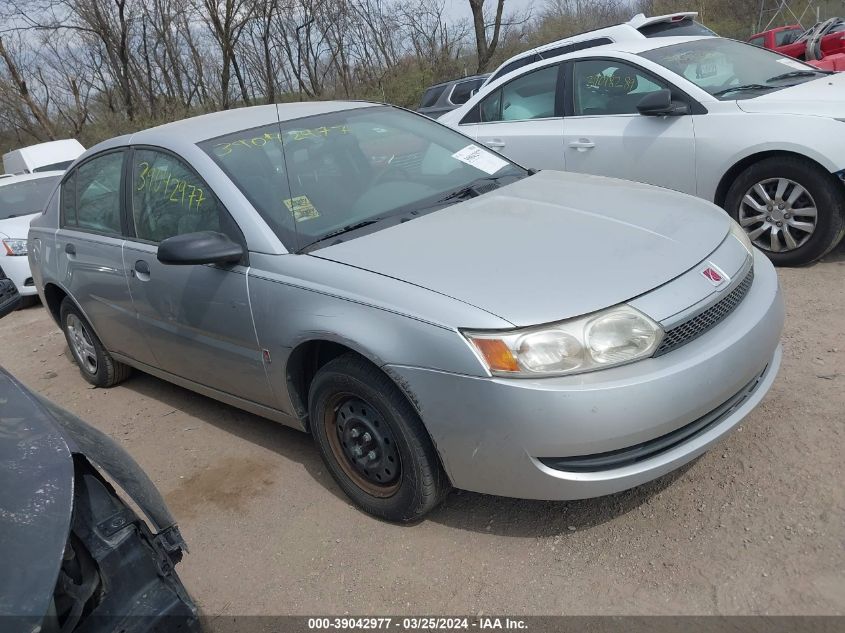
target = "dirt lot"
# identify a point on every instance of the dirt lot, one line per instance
(755, 526)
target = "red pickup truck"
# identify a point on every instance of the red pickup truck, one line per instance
(822, 46)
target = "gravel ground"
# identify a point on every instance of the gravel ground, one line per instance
(755, 526)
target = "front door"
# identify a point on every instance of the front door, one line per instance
(607, 136)
(196, 318)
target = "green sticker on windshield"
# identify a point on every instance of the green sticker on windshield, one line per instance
(301, 208)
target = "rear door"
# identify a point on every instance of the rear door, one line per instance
(89, 246)
(196, 318)
(605, 134)
(523, 119)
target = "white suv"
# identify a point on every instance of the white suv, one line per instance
(637, 28)
(755, 132)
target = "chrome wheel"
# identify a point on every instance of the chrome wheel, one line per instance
(778, 214)
(80, 342)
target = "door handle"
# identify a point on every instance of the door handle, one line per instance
(141, 270)
(70, 249)
(495, 143)
(582, 144)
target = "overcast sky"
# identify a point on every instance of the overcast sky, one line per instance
(457, 9)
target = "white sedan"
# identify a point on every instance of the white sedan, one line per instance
(22, 198)
(759, 134)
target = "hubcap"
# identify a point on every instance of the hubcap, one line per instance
(80, 342)
(778, 214)
(363, 445)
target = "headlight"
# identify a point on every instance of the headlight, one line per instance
(604, 339)
(15, 247)
(739, 233)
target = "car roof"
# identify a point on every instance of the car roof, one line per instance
(13, 179)
(633, 47)
(207, 126)
(627, 31)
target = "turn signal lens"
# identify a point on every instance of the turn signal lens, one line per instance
(496, 354)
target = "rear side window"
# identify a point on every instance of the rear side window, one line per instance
(91, 196)
(758, 41)
(686, 28)
(787, 36)
(463, 91)
(431, 96)
(169, 198)
(531, 96)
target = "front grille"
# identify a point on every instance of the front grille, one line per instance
(637, 453)
(694, 327)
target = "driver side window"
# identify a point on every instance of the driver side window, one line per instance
(604, 87)
(169, 199)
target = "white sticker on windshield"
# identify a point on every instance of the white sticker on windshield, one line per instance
(793, 63)
(480, 159)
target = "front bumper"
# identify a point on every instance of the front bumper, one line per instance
(16, 268)
(492, 433)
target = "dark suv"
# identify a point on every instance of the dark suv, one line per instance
(443, 97)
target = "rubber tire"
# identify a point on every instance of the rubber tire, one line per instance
(424, 484)
(109, 371)
(828, 193)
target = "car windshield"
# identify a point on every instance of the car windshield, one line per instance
(323, 179)
(26, 197)
(731, 70)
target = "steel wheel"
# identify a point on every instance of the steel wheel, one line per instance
(363, 445)
(83, 347)
(778, 214)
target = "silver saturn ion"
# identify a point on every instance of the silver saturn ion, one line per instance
(432, 313)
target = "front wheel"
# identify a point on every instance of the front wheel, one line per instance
(791, 209)
(373, 442)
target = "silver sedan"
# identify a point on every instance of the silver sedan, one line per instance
(432, 313)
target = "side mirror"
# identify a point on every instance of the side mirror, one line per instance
(10, 299)
(660, 104)
(203, 247)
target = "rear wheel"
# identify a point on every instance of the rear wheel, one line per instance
(95, 364)
(791, 209)
(373, 442)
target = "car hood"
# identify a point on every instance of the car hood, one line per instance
(17, 227)
(547, 247)
(821, 97)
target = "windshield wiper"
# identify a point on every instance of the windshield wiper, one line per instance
(345, 229)
(469, 191)
(743, 88)
(797, 73)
